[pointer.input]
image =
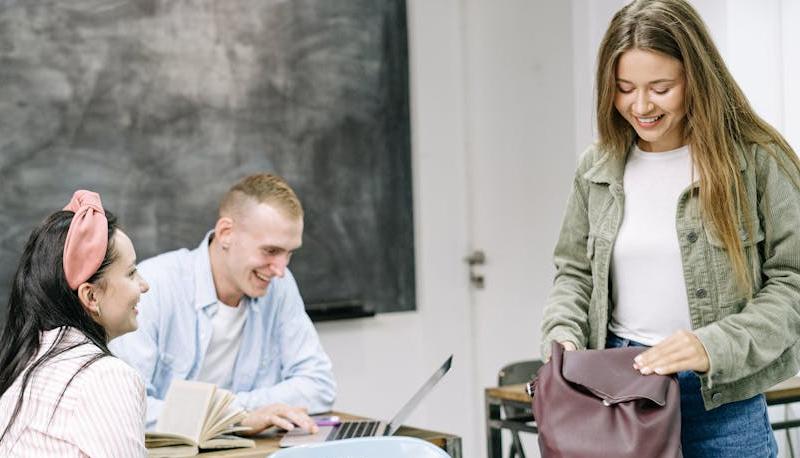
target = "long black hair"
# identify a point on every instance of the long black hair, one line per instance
(41, 300)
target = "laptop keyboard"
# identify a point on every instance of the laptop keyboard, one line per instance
(351, 429)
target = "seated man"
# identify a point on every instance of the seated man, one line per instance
(229, 312)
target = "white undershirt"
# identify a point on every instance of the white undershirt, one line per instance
(226, 337)
(648, 288)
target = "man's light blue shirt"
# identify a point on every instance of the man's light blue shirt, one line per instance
(280, 358)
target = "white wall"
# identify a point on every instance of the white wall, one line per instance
(589, 22)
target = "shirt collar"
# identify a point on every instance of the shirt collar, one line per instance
(70, 336)
(205, 294)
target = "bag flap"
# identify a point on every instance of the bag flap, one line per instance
(609, 375)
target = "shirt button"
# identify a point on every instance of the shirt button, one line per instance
(716, 397)
(700, 293)
(692, 237)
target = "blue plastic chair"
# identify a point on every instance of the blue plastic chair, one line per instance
(366, 447)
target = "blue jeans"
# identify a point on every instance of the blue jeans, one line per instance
(737, 429)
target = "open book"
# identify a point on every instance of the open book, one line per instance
(196, 415)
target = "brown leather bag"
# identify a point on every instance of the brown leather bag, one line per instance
(593, 403)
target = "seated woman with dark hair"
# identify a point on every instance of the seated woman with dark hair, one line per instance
(62, 393)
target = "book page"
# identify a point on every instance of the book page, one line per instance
(185, 409)
(223, 416)
(227, 425)
(222, 399)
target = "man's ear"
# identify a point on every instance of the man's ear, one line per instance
(89, 295)
(223, 231)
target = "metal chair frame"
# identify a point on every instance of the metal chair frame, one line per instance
(510, 374)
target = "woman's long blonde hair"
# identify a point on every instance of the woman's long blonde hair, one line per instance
(719, 118)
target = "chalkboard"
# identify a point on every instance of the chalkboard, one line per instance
(161, 105)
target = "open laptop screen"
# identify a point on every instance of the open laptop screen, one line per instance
(403, 414)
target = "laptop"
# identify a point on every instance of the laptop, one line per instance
(366, 428)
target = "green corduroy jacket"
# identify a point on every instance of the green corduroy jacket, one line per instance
(751, 343)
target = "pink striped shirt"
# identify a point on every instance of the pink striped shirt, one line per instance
(100, 415)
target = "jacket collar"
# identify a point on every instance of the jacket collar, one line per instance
(609, 169)
(741, 157)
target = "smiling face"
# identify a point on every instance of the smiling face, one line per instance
(650, 96)
(254, 245)
(119, 289)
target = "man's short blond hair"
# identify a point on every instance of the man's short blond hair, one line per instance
(264, 188)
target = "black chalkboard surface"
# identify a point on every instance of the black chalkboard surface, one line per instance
(161, 105)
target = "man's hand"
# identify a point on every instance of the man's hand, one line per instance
(279, 415)
(681, 351)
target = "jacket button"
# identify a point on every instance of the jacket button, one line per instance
(716, 397)
(692, 237)
(700, 293)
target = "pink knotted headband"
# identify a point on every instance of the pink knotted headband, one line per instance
(87, 238)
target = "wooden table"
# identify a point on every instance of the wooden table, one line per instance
(515, 396)
(266, 446)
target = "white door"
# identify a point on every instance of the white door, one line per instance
(521, 159)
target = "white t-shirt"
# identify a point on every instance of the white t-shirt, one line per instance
(226, 338)
(648, 289)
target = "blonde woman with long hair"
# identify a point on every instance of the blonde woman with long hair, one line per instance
(681, 231)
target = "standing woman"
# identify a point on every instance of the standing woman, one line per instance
(681, 231)
(62, 393)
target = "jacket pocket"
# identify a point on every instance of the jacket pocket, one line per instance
(730, 308)
(719, 254)
(747, 241)
(728, 289)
